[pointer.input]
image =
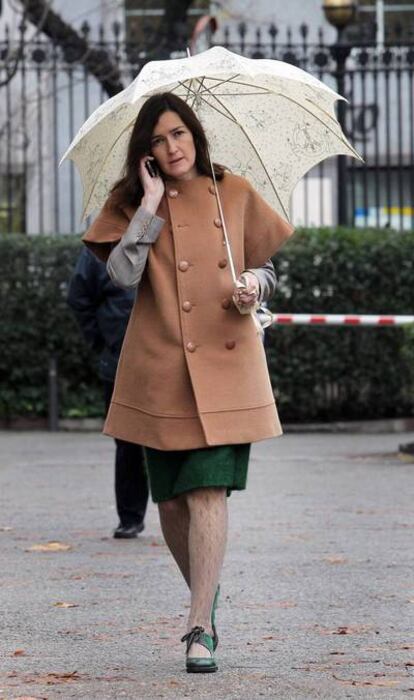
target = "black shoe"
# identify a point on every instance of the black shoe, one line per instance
(127, 532)
(407, 449)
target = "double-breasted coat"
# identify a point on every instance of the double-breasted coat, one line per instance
(192, 371)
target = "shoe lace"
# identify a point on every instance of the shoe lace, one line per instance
(193, 636)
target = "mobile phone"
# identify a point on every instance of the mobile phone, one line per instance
(152, 168)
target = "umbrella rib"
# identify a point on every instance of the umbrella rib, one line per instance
(263, 90)
(332, 119)
(233, 119)
(198, 92)
(200, 95)
(340, 138)
(233, 81)
(268, 91)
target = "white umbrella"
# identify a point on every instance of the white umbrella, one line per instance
(265, 119)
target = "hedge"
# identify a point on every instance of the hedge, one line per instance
(37, 324)
(317, 373)
(344, 373)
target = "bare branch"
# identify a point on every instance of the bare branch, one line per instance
(74, 46)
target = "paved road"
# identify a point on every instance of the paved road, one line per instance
(318, 586)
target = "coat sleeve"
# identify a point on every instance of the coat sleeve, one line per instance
(266, 276)
(126, 262)
(84, 298)
(112, 224)
(106, 231)
(265, 231)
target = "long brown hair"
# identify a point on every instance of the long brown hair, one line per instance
(128, 190)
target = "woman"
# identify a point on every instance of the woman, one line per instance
(192, 384)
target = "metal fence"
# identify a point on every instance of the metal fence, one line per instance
(45, 95)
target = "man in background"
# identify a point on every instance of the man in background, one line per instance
(406, 451)
(102, 311)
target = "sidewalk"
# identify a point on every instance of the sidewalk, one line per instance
(317, 592)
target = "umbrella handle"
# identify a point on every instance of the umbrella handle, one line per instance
(223, 222)
(236, 283)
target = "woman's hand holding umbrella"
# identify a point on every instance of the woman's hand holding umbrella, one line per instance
(246, 292)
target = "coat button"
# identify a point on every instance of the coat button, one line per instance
(230, 344)
(225, 304)
(217, 222)
(187, 306)
(191, 347)
(173, 193)
(222, 263)
(183, 265)
(211, 189)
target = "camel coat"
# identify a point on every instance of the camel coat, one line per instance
(192, 371)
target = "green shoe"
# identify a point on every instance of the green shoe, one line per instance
(194, 664)
(213, 618)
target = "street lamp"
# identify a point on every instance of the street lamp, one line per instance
(339, 14)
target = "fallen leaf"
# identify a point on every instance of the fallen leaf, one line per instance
(50, 547)
(346, 630)
(270, 604)
(19, 652)
(45, 679)
(342, 630)
(335, 560)
(51, 678)
(284, 604)
(60, 604)
(375, 682)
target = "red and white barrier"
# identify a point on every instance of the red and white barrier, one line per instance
(340, 320)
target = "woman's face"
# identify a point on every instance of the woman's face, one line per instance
(172, 145)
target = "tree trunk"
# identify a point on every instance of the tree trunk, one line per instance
(74, 46)
(173, 31)
(76, 49)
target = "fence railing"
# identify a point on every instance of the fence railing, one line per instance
(49, 96)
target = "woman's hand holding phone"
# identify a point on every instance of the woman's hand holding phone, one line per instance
(152, 184)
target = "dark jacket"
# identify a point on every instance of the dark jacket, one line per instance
(101, 309)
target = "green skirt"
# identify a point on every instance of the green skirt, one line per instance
(171, 473)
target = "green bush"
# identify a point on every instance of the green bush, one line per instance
(37, 324)
(344, 372)
(318, 373)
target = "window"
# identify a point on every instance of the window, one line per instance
(12, 203)
(387, 21)
(143, 19)
(382, 197)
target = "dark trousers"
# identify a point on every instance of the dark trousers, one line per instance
(131, 486)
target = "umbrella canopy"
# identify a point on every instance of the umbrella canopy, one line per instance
(266, 120)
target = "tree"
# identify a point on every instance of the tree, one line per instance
(173, 32)
(76, 48)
